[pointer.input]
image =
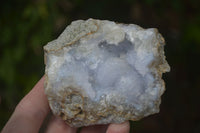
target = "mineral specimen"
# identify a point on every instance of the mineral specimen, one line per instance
(100, 72)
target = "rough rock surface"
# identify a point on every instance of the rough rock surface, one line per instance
(100, 72)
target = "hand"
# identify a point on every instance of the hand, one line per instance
(33, 109)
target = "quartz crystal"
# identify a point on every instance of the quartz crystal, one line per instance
(100, 72)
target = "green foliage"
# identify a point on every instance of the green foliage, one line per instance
(192, 31)
(24, 31)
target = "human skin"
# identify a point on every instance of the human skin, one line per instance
(31, 111)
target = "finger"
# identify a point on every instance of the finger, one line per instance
(56, 125)
(94, 129)
(119, 128)
(30, 112)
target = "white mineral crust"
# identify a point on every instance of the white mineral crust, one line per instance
(100, 72)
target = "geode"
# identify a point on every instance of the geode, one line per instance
(100, 72)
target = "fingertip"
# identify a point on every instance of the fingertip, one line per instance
(119, 128)
(94, 129)
(59, 126)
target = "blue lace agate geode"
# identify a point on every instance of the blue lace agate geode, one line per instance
(100, 72)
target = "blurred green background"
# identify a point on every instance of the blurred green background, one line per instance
(27, 25)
